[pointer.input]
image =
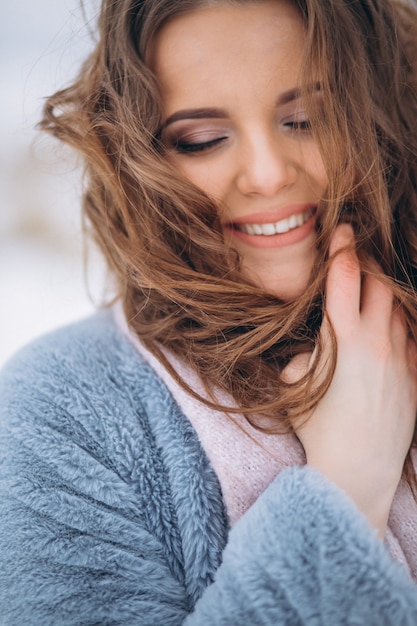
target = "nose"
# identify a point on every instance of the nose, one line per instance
(266, 164)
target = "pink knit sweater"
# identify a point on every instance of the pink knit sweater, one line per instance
(246, 461)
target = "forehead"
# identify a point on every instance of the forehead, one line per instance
(230, 46)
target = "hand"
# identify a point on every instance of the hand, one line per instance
(360, 432)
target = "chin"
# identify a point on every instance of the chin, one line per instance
(287, 282)
(286, 288)
(288, 292)
(284, 273)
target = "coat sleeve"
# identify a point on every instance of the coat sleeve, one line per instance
(79, 544)
(83, 538)
(303, 555)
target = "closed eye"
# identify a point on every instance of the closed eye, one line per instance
(298, 125)
(184, 147)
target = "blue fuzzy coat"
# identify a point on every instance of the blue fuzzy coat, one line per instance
(112, 515)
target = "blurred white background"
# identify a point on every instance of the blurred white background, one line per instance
(42, 281)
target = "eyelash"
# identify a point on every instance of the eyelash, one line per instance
(302, 126)
(186, 148)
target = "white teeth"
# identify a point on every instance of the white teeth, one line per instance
(276, 228)
(282, 227)
(268, 229)
(293, 221)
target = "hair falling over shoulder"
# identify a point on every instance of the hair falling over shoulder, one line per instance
(180, 285)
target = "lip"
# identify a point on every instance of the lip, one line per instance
(289, 238)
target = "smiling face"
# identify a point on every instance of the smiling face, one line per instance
(234, 124)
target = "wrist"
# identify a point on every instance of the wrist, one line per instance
(372, 498)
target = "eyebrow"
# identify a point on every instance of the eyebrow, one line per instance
(296, 93)
(213, 113)
(195, 114)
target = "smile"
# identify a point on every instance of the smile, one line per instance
(276, 228)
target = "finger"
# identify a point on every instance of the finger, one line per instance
(399, 331)
(377, 304)
(297, 368)
(343, 287)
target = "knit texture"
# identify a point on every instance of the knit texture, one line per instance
(111, 512)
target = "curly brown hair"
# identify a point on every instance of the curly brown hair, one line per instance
(162, 236)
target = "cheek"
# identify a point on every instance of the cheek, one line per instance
(208, 176)
(316, 170)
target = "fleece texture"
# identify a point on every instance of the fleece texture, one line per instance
(111, 513)
(257, 457)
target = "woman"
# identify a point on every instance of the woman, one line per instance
(230, 444)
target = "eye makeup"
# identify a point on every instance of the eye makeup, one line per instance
(296, 119)
(188, 140)
(192, 131)
(298, 123)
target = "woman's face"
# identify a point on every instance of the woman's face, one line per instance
(234, 124)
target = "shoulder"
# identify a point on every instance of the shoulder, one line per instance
(97, 470)
(83, 397)
(90, 358)
(91, 346)
(82, 387)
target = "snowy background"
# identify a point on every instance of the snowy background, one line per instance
(43, 283)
